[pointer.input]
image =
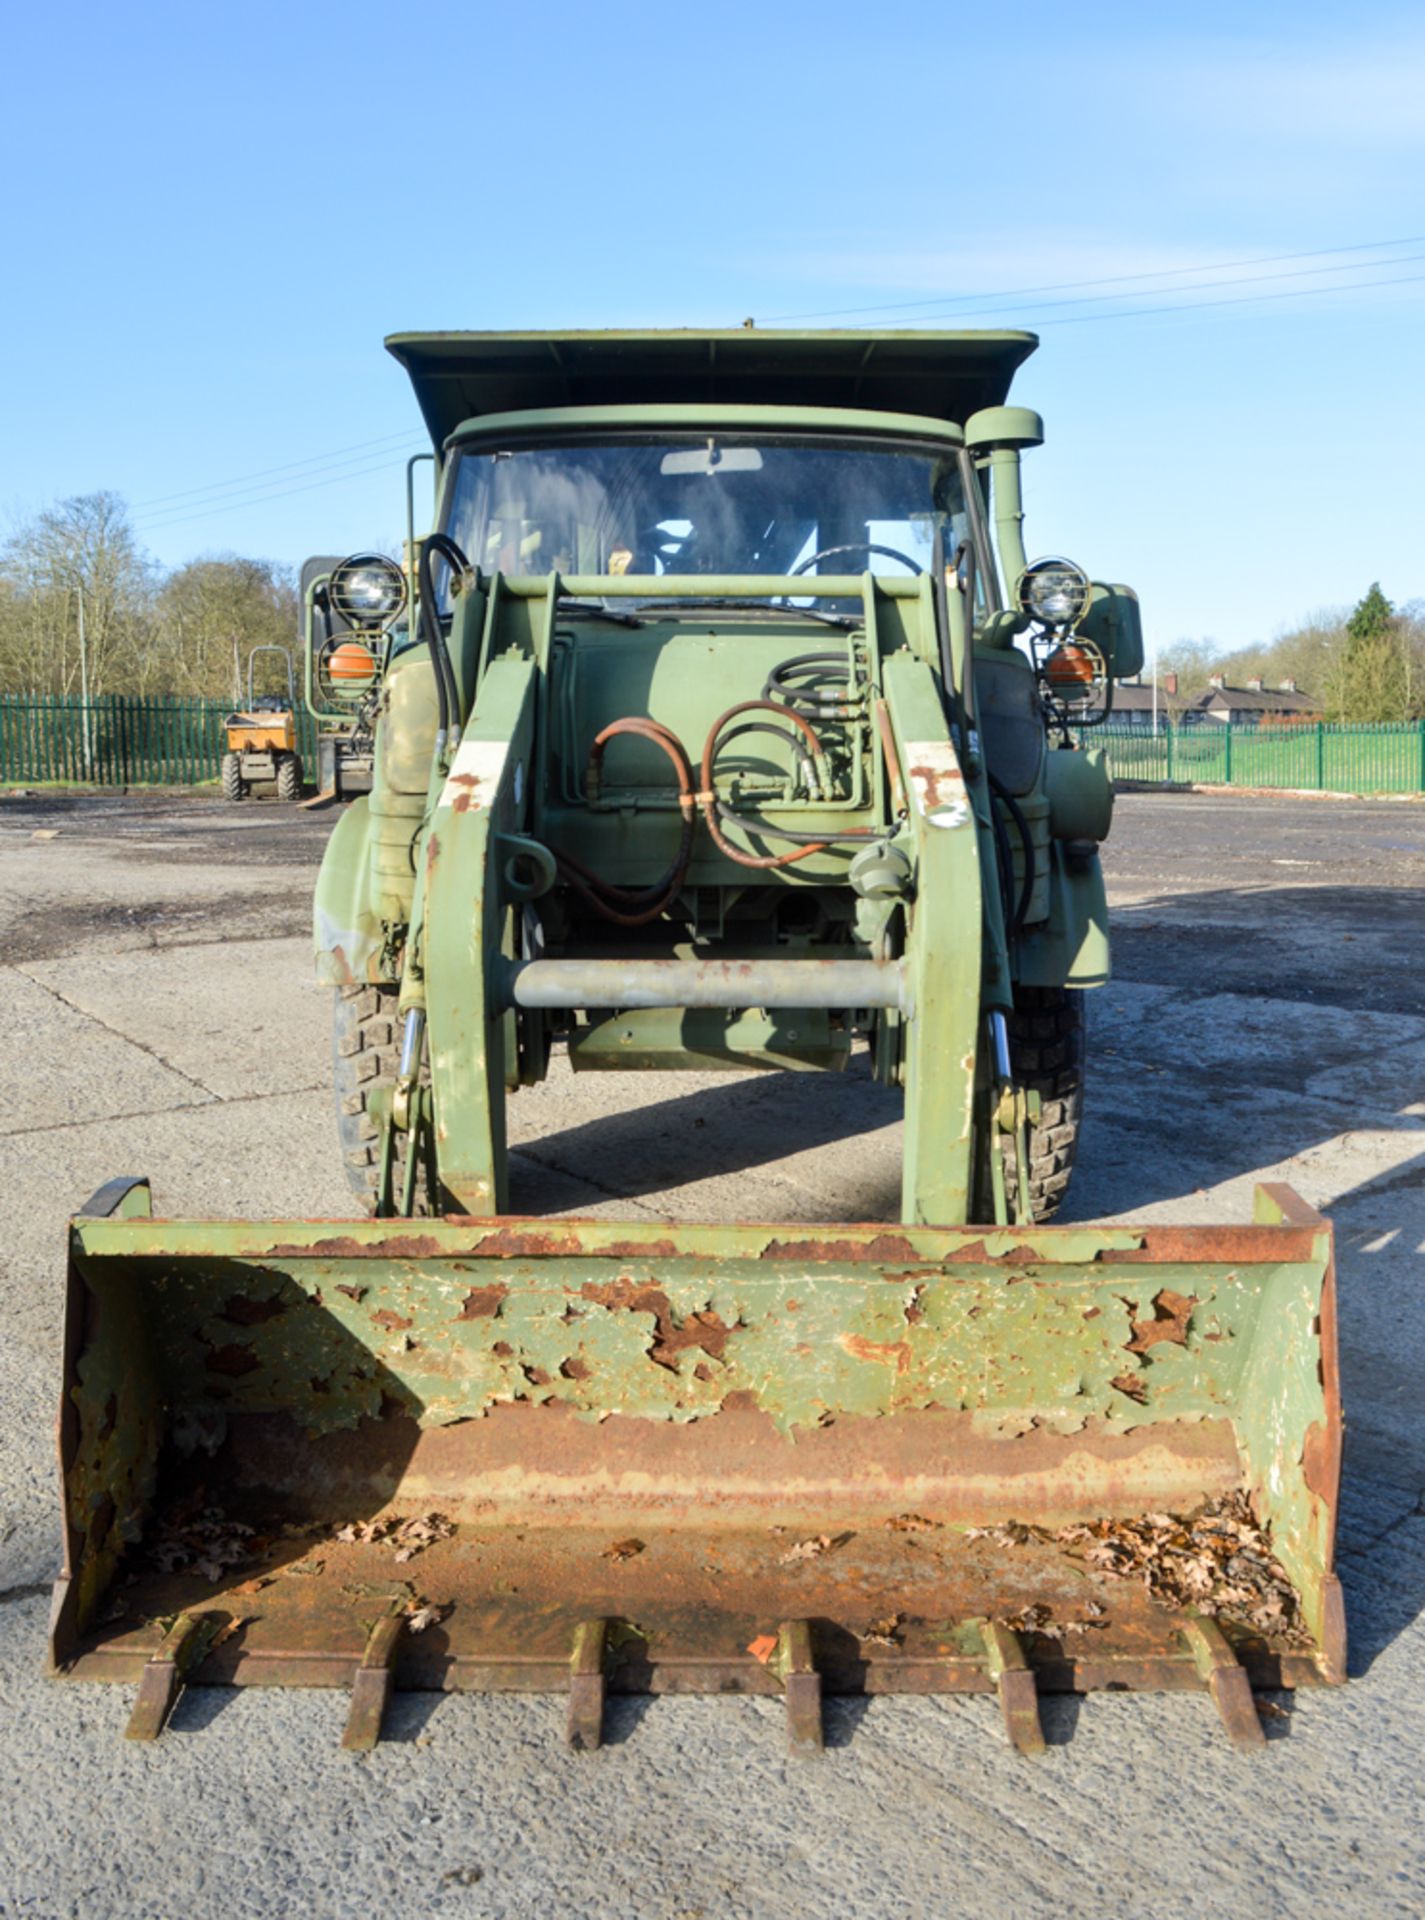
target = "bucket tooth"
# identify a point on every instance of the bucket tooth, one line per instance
(182, 1647)
(802, 1684)
(584, 1728)
(371, 1686)
(1227, 1681)
(1013, 1676)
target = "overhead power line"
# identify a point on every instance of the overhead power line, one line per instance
(1250, 280)
(162, 524)
(265, 473)
(1105, 280)
(1241, 300)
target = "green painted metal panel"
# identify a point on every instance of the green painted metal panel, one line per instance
(946, 376)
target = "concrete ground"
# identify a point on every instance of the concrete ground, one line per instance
(1267, 1019)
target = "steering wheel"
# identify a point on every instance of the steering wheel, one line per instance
(857, 546)
(653, 540)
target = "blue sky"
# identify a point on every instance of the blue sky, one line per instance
(224, 211)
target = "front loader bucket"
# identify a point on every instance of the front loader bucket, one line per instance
(571, 1455)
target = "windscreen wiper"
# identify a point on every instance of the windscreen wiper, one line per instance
(757, 608)
(594, 611)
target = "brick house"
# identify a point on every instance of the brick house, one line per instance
(1252, 705)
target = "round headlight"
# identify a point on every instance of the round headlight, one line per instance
(1075, 672)
(1055, 592)
(368, 590)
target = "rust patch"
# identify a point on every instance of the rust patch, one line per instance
(353, 1293)
(1320, 1465)
(640, 1250)
(889, 1353)
(977, 1251)
(881, 1246)
(519, 1242)
(466, 783)
(483, 1303)
(502, 1350)
(392, 1322)
(576, 1369)
(241, 1311)
(1229, 1246)
(536, 1376)
(914, 1312)
(101, 1523)
(400, 1246)
(705, 1330)
(928, 781)
(1171, 1314)
(231, 1360)
(1131, 1385)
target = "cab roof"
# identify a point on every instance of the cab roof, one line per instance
(941, 376)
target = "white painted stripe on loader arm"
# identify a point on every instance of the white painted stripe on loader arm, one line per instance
(939, 786)
(477, 770)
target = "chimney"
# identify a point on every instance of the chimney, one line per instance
(1217, 681)
(1254, 686)
(1170, 683)
(1289, 686)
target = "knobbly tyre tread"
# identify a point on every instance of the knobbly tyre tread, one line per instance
(366, 1054)
(1047, 1051)
(234, 786)
(289, 777)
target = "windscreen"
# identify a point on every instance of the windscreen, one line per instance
(700, 505)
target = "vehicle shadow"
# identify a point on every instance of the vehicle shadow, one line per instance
(726, 1128)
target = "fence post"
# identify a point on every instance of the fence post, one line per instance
(1171, 729)
(1321, 756)
(1227, 756)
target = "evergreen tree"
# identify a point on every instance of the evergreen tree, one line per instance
(1370, 682)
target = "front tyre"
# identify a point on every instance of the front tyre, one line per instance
(366, 1058)
(234, 786)
(1047, 1052)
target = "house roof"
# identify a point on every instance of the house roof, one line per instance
(1136, 696)
(1250, 700)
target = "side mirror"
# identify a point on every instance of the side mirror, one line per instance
(1115, 625)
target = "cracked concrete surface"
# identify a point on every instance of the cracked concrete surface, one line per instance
(1267, 1020)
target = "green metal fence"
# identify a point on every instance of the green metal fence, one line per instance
(125, 740)
(119, 739)
(1316, 757)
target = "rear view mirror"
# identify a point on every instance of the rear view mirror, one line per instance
(712, 459)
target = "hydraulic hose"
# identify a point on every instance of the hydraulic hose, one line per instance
(446, 692)
(630, 906)
(714, 813)
(832, 667)
(1016, 813)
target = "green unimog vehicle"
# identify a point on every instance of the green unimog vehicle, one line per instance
(736, 730)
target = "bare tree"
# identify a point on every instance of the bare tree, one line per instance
(142, 633)
(76, 561)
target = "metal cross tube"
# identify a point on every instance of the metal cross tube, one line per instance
(704, 983)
